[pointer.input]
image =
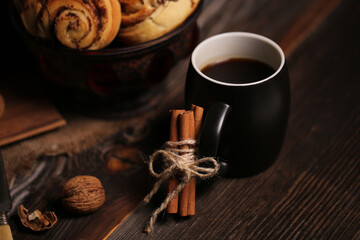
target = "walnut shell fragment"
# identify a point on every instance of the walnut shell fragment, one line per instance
(83, 194)
(36, 220)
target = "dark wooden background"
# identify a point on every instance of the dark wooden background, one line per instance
(311, 192)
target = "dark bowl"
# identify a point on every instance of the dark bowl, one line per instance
(116, 81)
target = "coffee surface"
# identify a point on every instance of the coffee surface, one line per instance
(238, 70)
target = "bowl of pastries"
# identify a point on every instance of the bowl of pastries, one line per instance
(107, 57)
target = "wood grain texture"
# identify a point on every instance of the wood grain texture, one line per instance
(311, 191)
(2, 106)
(41, 189)
(28, 113)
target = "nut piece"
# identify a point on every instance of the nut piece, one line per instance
(83, 194)
(36, 220)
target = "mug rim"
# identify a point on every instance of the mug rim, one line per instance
(242, 34)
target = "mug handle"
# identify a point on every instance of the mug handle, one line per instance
(211, 132)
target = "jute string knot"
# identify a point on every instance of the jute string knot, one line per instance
(177, 161)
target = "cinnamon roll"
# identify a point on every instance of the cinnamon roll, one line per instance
(144, 20)
(90, 24)
(30, 10)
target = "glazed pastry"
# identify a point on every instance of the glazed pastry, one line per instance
(144, 20)
(135, 11)
(30, 10)
(91, 24)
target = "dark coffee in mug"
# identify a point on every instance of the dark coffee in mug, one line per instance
(238, 70)
(254, 129)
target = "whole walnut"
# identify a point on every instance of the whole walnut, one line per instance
(83, 194)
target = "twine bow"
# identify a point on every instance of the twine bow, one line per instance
(177, 161)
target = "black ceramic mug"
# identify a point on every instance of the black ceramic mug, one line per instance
(254, 129)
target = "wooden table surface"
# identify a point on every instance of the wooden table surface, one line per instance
(312, 191)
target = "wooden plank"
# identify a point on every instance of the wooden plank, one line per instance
(312, 189)
(27, 113)
(311, 192)
(28, 110)
(42, 188)
(307, 23)
(289, 24)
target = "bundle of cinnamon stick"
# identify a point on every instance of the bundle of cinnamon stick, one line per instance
(184, 124)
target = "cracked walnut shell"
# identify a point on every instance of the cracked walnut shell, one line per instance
(83, 194)
(36, 220)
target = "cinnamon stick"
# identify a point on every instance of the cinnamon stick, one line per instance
(187, 131)
(174, 136)
(198, 115)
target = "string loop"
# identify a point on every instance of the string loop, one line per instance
(177, 161)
